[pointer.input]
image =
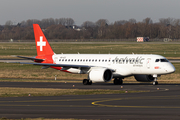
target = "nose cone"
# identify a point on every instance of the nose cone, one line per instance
(171, 68)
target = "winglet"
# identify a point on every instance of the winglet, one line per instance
(42, 45)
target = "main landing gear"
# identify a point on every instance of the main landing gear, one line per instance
(118, 81)
(87, 82)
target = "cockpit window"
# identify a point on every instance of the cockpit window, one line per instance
(157, 60)
(161, 60)
(164, 60)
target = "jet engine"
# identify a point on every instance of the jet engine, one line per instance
(144, 78)
(100, 75)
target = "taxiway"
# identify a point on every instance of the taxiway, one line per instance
(161, 103)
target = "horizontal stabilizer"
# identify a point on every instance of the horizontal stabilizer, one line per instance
(29, 58)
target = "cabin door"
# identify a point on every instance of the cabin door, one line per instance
(148, 63)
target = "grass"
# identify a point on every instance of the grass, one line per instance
(35, 72)
(28, 49)
(9, 70)
(16, 71)
(24, 92)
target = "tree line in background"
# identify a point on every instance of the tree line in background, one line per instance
(65, 28)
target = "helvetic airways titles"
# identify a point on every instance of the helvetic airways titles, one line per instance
(126, 60)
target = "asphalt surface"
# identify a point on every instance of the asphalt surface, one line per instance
(162, 102)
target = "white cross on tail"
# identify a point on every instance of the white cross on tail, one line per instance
(41, 43)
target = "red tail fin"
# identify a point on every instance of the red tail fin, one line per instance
(42, 45)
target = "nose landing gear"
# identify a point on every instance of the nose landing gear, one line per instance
(155, 82)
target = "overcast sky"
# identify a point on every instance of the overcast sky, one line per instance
(91, 10)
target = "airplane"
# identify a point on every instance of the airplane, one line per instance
(100, 67)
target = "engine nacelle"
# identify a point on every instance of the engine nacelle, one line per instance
(100, 75)
(144, 78)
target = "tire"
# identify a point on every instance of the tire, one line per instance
(115, 81)
(155, 83)
(85, 82)
(118, 81)
(90, 83)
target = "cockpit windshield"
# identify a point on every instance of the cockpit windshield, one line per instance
(157, 60)
(164, 60)
(161, 60)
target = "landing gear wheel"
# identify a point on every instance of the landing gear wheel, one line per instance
(118, 81)
(155, 83)
(90, 83)
(87, 82)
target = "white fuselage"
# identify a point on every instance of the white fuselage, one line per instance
(120, 64)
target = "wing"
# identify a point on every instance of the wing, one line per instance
(55, 65)
(65, 66)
